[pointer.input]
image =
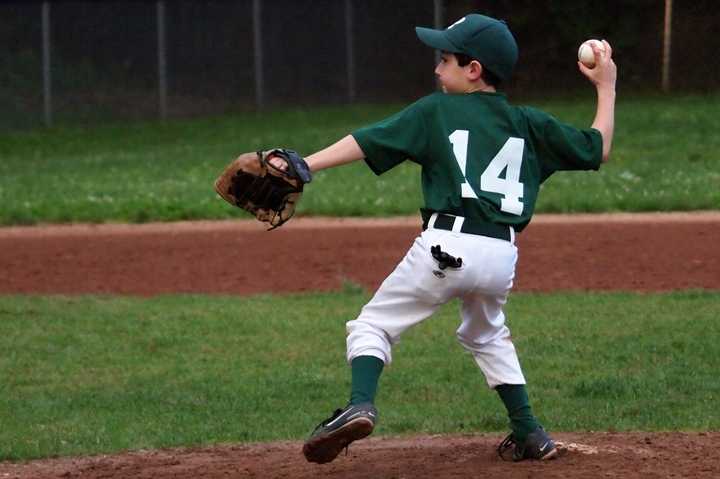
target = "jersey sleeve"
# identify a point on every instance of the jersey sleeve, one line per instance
(564, 147)
(391, 141)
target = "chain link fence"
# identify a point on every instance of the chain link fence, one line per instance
(108, 61)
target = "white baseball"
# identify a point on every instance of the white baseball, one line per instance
(585, 52)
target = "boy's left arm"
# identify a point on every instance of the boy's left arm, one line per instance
(342, 152)
(269, 184)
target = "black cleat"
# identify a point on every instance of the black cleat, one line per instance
(334, 434)
(537, 445)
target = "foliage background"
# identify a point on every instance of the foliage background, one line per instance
(104, 54)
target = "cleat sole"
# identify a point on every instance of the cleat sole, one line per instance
(551, 455)
(323, 449)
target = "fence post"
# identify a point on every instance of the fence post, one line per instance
(46, 67)
(258, 54)
(161, 59)
(350, 50)
(438, 22)
(667, 46)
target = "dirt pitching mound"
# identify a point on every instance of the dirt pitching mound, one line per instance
(633, 455)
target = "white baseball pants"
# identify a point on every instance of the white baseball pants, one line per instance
(417, 287)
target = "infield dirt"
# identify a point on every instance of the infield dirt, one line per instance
(648, 252)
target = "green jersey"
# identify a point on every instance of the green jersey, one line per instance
(481, 157)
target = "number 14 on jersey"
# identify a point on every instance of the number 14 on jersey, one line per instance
(509, 158)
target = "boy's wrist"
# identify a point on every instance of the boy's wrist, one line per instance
(605, 90)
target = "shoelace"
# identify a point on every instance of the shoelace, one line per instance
(507, 444)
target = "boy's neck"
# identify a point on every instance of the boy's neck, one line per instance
(481, 88)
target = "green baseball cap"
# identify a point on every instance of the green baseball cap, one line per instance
(483, 38)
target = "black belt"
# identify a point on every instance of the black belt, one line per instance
(469, 226)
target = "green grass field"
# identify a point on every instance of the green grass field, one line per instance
(88, 375)
(666, 157)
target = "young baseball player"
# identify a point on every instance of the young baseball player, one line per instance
(482, 161)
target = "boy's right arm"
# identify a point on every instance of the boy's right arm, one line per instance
(603, 76)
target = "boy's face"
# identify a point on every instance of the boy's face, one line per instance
(452, 77)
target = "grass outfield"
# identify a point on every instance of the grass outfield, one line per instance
(86, 375)
(666, 157)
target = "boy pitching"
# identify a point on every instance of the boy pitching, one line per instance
(482, 161)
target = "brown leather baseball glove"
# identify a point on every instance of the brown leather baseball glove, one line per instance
(269, 192)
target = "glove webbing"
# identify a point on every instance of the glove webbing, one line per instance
(296, 167)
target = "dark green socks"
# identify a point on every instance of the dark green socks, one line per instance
(515, 398)
(366, 372)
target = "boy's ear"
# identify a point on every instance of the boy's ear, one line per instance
(475, 69)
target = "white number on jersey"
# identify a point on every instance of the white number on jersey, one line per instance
(509, 158)
(459, 140)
